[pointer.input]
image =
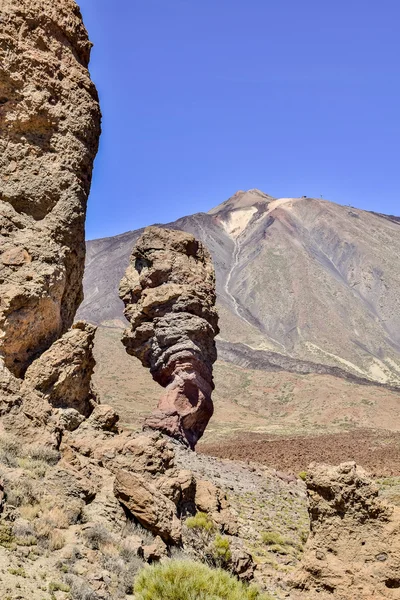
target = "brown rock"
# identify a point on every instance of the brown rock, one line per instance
(63, 373)
(144, 454)
(16, 257)
(155, 551)
(353, 550)
(207, 496)
(169, 296)
(104, 417)
(148, 505)
(49, 129)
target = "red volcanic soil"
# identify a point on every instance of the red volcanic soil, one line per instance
(377, 451)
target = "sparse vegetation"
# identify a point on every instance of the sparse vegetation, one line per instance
(221, 551)
(97, 535)
(186, 580)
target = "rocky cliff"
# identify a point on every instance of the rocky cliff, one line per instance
(353, 550)
(49, 130)
(169, 294)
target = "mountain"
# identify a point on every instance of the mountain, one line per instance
(304, 285)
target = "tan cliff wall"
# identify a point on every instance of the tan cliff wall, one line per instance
(49, 131)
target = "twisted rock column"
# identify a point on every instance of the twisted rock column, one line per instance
(169, 296)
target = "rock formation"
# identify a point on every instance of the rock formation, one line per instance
(49, 130)
(353, 550)
(63, 373)
(169, 296)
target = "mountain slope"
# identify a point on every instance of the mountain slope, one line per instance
(301, 278)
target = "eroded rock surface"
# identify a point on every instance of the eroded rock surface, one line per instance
(354, 547)
(62, 375)
(49, 130)
(169, 296)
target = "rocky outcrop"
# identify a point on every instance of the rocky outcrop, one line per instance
(49, 130)
(62, 375)
(353, 550)
(169, 296)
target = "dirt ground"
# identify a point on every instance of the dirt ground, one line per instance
(376, 450)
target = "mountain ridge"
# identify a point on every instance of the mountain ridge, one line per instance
(286, 266)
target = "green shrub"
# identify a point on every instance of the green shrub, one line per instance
(221, 551)
(272, 538)
(303, 475)
(188, 580)
(200, 521)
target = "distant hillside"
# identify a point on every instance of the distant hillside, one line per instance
(298, 279)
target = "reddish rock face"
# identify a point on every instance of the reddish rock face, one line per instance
(169, 296)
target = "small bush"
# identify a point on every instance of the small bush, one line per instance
(42, 453)
(21, 492)
(9, 450)
(29, 512)
(188, 580)
(272, 538)
(37, 468)
(6, 536)
(56, 540)
(24, 534)
(221, 551)
(55, 586)
(132, 528)
(20, 572)
(79, 589)
(97, 536)
(200, 521)
(303, 475)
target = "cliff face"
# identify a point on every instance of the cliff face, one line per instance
(169, 295)
(353, 550)
(49, 130)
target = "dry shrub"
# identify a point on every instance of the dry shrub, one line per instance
(79, 589)
(23, 533)
(48, 526)
(40, 453)
(37, 468)
(56, 540)
(29, 512)
(22, 491)
(9, 450)
(132, 528)
(98, 536)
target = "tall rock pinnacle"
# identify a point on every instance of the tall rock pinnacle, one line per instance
(169, 296)
(49, 130)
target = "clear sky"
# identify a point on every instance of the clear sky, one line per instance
(201, 98)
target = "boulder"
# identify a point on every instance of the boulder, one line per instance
(63, 373)
(148, 505)
(169, 296)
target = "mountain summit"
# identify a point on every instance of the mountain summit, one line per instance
(303, 284)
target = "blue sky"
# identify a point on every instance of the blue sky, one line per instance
(201, 98)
